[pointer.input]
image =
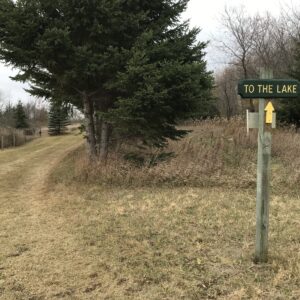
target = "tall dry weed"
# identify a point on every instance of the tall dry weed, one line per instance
(216, 152)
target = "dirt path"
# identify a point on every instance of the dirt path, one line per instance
(28, 234)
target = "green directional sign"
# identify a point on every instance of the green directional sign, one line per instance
(269, 88)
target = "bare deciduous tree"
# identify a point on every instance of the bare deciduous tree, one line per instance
(252, 42)
(228, 103)
(239, 40)
(36, 110)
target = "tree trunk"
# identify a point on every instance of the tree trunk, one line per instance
(104, 141)
(98, 128)
(228, 105)
(89, 127)
(252, 107)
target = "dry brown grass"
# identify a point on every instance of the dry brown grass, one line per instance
(216, 153)
(69, 237)
(158, 243)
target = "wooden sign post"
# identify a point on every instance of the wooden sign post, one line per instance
(263, 174)
(265, 88)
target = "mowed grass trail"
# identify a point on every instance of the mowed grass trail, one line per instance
(28, 234)
(65, 239)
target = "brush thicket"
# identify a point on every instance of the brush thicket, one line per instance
(215, 153)
(10, 137)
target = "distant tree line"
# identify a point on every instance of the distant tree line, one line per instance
(22, 116)
(254, 42)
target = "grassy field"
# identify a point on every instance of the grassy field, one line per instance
(183, 229)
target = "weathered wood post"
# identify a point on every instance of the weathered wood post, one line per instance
(263, 174)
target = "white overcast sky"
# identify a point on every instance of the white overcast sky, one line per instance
(203, 14)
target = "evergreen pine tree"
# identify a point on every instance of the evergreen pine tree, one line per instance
(133, 64)
(57, 119)
(20, 117)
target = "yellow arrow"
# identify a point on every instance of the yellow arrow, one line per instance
(269, 115)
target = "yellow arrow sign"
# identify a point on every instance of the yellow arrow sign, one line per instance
(269, 115)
